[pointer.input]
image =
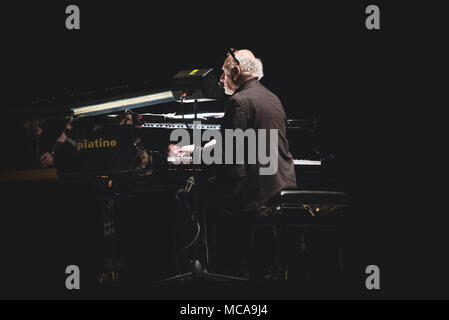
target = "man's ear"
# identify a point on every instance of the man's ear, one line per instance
(235, 73)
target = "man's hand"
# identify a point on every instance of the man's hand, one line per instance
(46, 160)
(173, 150)
(176, 151)
(210, 144)
(187, 149)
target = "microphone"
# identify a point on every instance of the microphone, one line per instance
(189, 183)
(222, 97)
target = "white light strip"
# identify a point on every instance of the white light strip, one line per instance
(297, 162)
(129, 103)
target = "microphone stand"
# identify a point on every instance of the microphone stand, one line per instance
(197, 271)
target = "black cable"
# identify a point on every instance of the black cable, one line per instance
(178, 256)
(187, 205)
(192, 217)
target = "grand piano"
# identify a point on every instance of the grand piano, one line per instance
(116, 147)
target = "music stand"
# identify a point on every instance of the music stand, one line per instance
(198, 85)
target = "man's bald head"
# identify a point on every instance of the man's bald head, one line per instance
(235, 73)
(250, 66)
(244, 54)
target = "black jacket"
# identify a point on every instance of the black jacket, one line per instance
(254, 106)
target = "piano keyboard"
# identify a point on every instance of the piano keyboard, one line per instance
(179, 160)
(296, 162)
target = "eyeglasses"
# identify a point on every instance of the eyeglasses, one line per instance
(232, 53)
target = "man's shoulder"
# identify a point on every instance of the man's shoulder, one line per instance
(257, 89)
(255, 96)
(236, 100)
(258, 94)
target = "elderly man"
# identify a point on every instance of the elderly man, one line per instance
(241, 189)
(251, 106)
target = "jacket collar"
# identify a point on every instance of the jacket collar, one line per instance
(247, 84)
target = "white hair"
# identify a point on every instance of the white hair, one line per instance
(249, 67)
(259, 69)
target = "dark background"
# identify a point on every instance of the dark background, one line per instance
(362, 86)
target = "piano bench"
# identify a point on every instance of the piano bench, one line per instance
(294, 200)
(298, 217)
(295, 217)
